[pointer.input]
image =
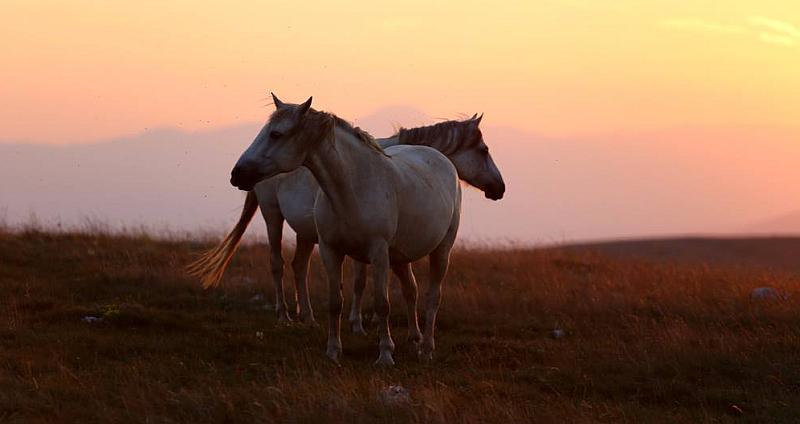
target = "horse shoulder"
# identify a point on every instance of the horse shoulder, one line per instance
(296, 195)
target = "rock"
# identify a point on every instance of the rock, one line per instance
(91, 319)
(766, 293)
(557, 333)
(395, 395)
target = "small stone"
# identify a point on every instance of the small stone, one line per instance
(91, 319)
(765, 293)
(395, 395)
(259, 335)
(257, 298)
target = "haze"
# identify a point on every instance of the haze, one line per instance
(607, 118)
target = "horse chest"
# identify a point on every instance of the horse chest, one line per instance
(356, 232)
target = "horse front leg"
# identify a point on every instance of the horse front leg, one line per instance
(332, 260)
(380, 268)
(359, 283)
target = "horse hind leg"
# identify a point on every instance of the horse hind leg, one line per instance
(300, 267)
(409, 285)
(274, 220)
(438, 261)
(359, 283)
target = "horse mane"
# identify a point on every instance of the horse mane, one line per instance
(360, 134)
(321, 123)
(447, 131)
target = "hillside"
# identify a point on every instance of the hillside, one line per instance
(767, 253)
(644, 341)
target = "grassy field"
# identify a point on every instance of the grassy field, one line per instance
(645, 341)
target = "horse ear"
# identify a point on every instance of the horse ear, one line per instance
(303, 108)
(473, 116)
(278, 103)
(478, 119)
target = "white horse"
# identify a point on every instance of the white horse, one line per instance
(386, 209)
(290, 197)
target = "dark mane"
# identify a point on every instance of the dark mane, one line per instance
(321, 123)
(448, 133)
(362, 135)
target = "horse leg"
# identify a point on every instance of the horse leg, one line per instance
(409, 285)
(302, 255)
(333, 266)
(438, 262)
(274, 220)
(380, 269)
(359, 283)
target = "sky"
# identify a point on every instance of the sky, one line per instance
(713, 77)
(78, 71)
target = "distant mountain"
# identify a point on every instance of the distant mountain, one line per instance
(557, 190)
(785, 224)
(162, 178)
(385, 121)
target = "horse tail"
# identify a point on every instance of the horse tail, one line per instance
(211, 264)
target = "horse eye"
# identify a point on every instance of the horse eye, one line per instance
(275, 135)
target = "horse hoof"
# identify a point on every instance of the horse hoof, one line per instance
(334, 354)
(358, 329)
(309, 321)
(385, 360)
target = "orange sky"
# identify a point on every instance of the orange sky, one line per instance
(86, 70)
(608, 118)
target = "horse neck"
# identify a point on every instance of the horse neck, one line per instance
(335, 164)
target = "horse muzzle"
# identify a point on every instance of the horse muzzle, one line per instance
(496, 192)
(244, 178)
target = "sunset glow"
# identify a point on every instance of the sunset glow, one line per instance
(607, 118)
(85, 70)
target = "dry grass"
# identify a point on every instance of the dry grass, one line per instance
(646, 342)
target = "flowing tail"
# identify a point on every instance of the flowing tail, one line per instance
(210, 266)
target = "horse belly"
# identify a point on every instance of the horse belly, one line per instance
(428, 198)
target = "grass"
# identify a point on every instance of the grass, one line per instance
(645, 341)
